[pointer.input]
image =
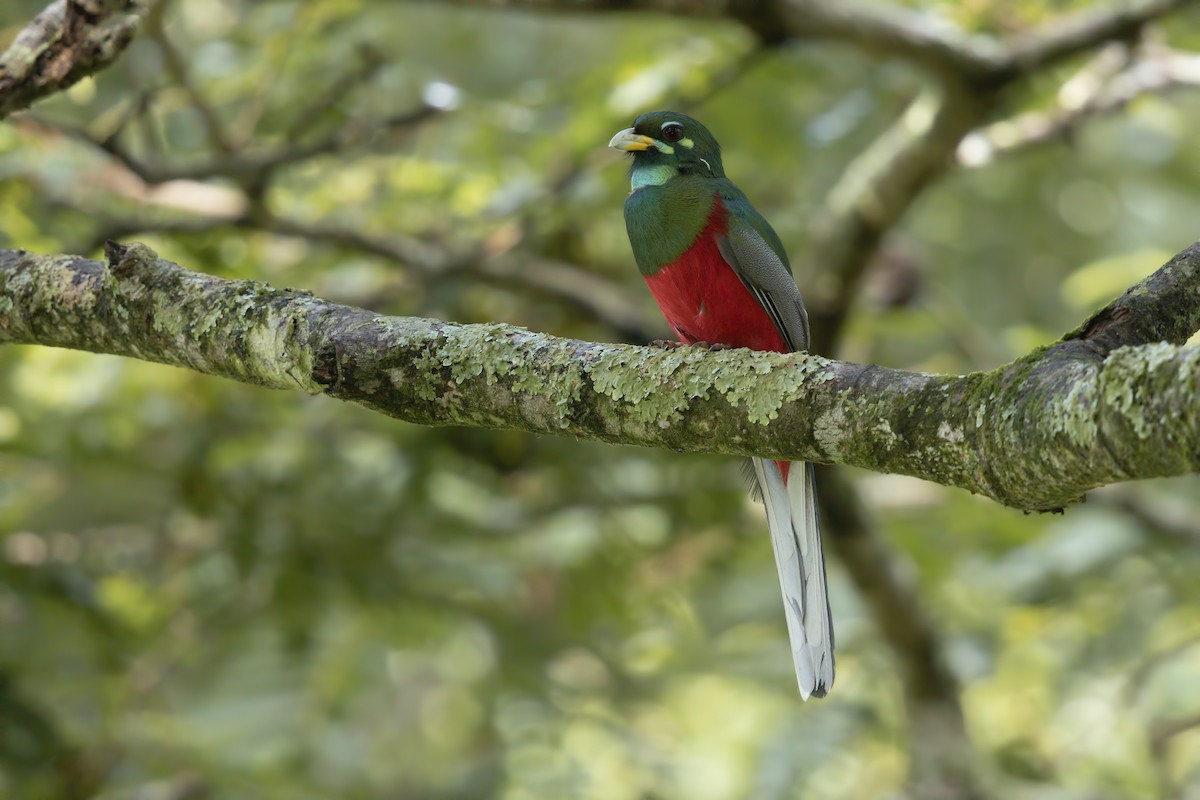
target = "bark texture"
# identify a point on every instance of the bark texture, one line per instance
(68, 41)
(1114, 400)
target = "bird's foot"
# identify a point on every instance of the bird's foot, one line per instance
(672, 344)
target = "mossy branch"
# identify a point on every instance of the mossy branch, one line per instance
(1114, 400)
(68, 41)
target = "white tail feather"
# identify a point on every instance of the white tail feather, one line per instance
(796, 538)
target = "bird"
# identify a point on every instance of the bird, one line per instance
(722, 279)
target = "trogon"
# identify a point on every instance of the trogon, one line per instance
(721, 277)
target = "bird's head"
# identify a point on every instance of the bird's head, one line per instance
(665, 144)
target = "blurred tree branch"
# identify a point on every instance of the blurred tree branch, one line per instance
(1095, 91)
(933, 43)
(882, 183)
(1161, 520)
(248, 165)
(177, 67)
(68, 41)
(940, 748)
(1085, 30)
(876, 190)
(1110, 402)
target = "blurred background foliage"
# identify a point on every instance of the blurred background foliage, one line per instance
(211, 590)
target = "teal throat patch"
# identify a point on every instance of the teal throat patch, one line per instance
(651, 175)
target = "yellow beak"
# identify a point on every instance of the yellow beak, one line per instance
(628, 140)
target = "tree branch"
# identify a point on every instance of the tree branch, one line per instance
(941, 761)
(177, 66)
(875, 191)
(1083, 31)
(934, 43)
(884, 30)
(1082, 98)
(245, 166)
(1164, 521)
(881, 184)
(1095, 408)
(894, 31)
(66, 42)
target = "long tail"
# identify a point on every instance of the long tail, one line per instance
(796, 537)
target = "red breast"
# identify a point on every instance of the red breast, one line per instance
(704, 300)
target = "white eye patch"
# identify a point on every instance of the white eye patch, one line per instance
(688, 143)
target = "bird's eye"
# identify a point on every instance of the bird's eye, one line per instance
(672, 131)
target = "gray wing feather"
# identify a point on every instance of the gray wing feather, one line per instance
(768, 279)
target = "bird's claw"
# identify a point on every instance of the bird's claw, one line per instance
(672, 344)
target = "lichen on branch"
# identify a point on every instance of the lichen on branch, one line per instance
(68, 41)
(1114, 400)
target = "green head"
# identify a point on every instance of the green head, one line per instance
(665, 144)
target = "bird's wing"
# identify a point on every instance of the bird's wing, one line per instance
(754, 252)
